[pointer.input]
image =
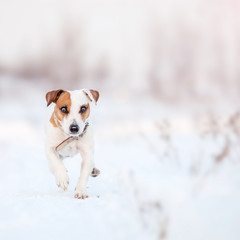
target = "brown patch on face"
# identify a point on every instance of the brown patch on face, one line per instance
(63, 100)
(85, 115)
(52, 121)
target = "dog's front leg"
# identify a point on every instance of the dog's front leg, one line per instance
(86, 169)
(57, 168)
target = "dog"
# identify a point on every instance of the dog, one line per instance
(68, 132)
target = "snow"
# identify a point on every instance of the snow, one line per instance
(158, 180)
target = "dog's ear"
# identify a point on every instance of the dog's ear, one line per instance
(53, 96)
(93, 95)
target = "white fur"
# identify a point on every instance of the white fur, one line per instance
(55, 135)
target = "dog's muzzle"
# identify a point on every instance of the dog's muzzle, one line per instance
(71, 138)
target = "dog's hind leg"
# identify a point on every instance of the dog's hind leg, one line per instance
(95, 172)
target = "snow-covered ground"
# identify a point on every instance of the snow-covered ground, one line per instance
(166, 172)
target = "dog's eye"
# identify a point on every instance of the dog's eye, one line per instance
(64, 109)
(83, 109)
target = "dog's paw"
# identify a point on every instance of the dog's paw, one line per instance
(80, 193)
(95, 172)
(62, 179)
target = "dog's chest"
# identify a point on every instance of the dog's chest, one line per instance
(70, 149)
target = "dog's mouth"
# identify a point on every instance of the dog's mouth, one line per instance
(72, 134)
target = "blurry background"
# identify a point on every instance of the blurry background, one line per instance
(173, 50)
(167, 122)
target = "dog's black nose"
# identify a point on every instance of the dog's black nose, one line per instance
(74, 128)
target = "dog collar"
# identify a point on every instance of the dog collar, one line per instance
(70, 139)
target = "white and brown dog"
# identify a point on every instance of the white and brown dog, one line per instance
(68, 133)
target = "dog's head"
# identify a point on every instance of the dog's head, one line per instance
(72, 109)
